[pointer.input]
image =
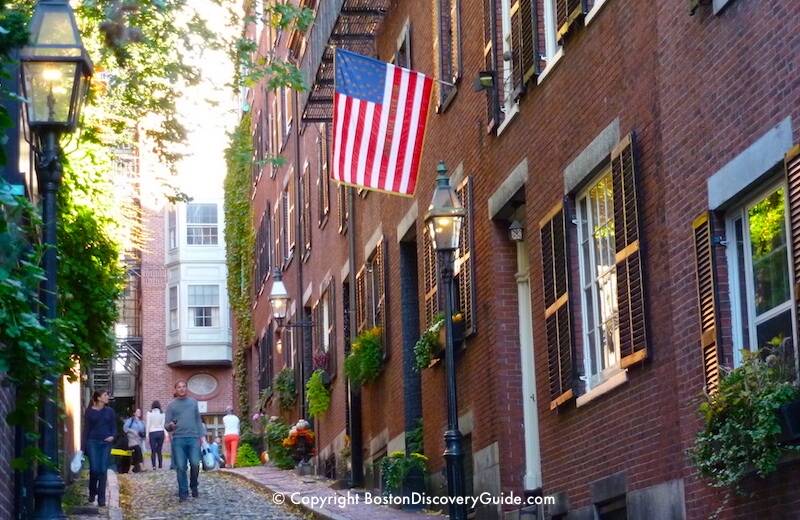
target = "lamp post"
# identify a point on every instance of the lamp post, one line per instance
(444, 218)
(55, 76)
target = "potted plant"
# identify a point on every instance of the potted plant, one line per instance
(429, 348)
(742, 428)
(319, 397)
(364, 362)
(403, 473)
(275, 432)
(300, 442)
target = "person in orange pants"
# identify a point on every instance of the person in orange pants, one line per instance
(231, 438)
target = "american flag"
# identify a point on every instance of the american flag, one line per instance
(379, 116)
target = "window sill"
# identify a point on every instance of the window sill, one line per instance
(603, 388)
(508, 118)
(593, 12)
(551, 64)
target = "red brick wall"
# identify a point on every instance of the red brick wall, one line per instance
(696, 91)
(738, 78)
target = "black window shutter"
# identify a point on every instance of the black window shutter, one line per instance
(792, 166)
(630, 282)
(361, 300)
(567, 13)
(707, 301)
(430, 278)
(555, 284)
(465, 261)
(331, 332)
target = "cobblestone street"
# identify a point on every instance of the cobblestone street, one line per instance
(152, 495)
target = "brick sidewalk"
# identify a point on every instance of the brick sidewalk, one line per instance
(287, 482)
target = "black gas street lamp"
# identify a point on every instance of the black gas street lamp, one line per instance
(55, 76)
(444, 219)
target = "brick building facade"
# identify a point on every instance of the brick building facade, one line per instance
(611, 126)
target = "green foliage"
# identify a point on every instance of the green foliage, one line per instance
(397, 466)
(276, 431)
(414, 439)
(239, 243)
(319, 397)
(428, 343)
(13, 34)
(255, 440)
(285, 388)
(365, 360)
(247, 457)
(90, 275)
(742, 431)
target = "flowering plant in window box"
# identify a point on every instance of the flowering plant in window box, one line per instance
(429, 348)
(742, 431)
(321, 363)
(364, 362)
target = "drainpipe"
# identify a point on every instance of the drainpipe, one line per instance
(356, 440)
(305, 336)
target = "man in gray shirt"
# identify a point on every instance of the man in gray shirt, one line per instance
(186, 429)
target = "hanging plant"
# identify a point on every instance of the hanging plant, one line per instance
(286, 389)
(319, 397)
(742, 430)
(365, 360)
(430, 344)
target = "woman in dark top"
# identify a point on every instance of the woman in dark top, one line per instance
(99, 432)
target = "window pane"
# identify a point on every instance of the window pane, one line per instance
(779, 326)
(769, 253)
(173, 297)
(203, 295)
(201, 213)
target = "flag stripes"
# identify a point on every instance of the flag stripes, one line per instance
(378, 145)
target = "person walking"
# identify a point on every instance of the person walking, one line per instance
(134, 428)
(154, 426)
(231, 422)
(100, 428)
(186, 431)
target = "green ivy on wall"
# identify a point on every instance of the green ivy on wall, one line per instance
(239, 243)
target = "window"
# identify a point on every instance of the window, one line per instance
(760, 280)
(172, 228)
(284, 123)
(204, 305)
(291, 197)
(214, 426)
(449, 42)
(551, 46)
(173, 308)
(325, 322)
(305, 214)
(402, 57)
(506, 76)
(265, 361)
(275, 118)
(613, 510)
(323, 175)
(289, 108)
(201, 224)
(263, 249)
(341, 199)
(598, 277)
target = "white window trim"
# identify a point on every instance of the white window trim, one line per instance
(177, 309)
(218, 307)
(618, 378)
(592, 380)
(551, 64)
(598, 4)
(739, 342)
(510, 105)
(551, 46)
(203, 225)
(172, 212)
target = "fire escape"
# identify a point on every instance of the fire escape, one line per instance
(120, 374)
(349, 24)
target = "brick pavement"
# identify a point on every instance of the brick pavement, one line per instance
(277, 481)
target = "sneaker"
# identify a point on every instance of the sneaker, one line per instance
(183, 498)
(195, 493)
(101, 504)
(92, 498)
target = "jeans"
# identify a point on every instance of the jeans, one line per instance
(99, 453)
(156, 445)
(231, 445)
(183, 449)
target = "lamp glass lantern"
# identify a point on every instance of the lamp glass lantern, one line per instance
(55, 68)
(445, 214)
(278, 298)
(516, 231)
